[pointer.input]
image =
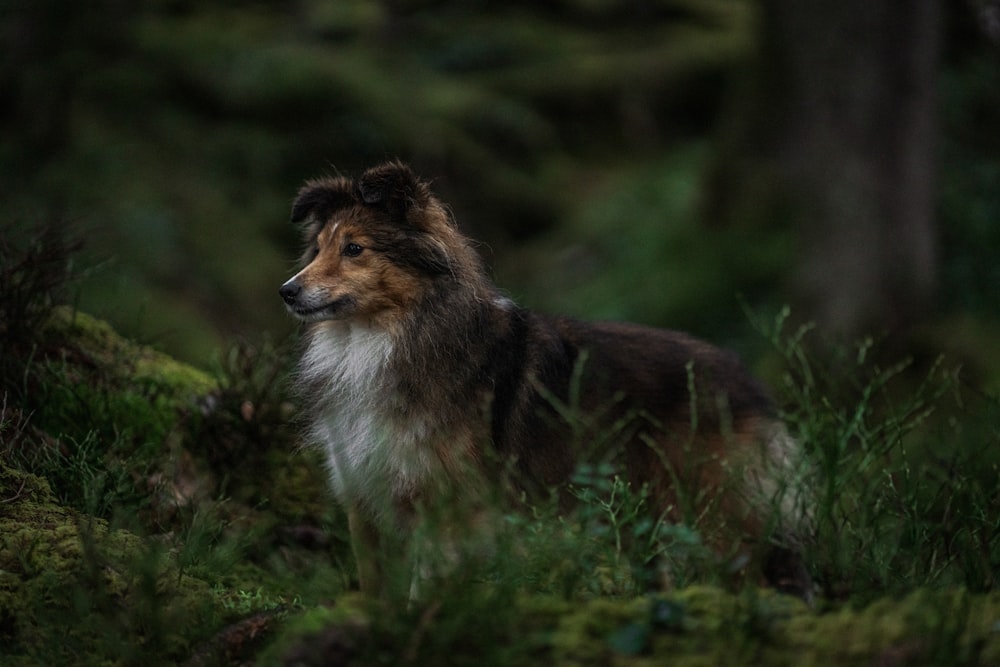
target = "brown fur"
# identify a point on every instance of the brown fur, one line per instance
(425, 382)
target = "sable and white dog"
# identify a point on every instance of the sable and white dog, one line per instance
(423, 383)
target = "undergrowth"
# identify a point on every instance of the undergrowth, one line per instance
(905, 462)
(116, 507)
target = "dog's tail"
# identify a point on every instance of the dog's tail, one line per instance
(778, 489)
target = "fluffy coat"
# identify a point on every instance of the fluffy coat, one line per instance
(423, 382)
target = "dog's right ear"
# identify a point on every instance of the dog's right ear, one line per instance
(319, 199)
(394, 187)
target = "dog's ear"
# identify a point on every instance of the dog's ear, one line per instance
(318, 200)
(394, 187)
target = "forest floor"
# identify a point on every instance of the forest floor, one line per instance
(151, 512)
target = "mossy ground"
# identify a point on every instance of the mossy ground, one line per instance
(218, 544)
(696, 626)
(74, 591)
(125, 535)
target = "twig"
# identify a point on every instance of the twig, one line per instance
(16, 495)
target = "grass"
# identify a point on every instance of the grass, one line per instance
(906, 462)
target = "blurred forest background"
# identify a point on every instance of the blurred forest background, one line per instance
(650, 160)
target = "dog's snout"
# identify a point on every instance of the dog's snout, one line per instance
(289, 291)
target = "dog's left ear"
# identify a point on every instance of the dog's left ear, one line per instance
(394, 187)
(319, 199)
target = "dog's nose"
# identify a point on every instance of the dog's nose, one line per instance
(289, 291)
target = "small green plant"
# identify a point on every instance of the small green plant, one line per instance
(644, 550)
(904, 472)
(253, 410)
(241, 602)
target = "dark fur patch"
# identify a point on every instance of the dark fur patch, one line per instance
(394, 188)
(413, 249)
(320, 200)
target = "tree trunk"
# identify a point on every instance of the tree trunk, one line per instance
(834, 132)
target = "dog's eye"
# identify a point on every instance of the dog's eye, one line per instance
(352, 250)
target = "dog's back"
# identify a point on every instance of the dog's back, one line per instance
(667, 410)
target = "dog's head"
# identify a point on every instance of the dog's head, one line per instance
(373, 246)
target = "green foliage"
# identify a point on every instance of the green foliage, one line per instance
(697, 626)
(250, 414)
(636, 546)
(905, 469)
(111, 529)
(75, 589)
(241, 603)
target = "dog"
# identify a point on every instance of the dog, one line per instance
(424, 382)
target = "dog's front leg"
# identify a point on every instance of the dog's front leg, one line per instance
(365, 543)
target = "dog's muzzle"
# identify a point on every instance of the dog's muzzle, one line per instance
(313, 305)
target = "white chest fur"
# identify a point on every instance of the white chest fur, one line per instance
(377, 450)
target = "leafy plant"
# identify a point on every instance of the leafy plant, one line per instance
(904, 472)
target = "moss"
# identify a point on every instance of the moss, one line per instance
(94, 382)
(297, 486)
(74, 591)
(109, 417)
(321, 636)
(928, 626)
(125, 360)
(699, 626)
(581, 636)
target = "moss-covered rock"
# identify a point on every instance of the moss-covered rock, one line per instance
(97, 344)
(98, 381)
(74, 591)
(120, 542)
(111, 420)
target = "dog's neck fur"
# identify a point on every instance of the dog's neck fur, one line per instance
(381, 400)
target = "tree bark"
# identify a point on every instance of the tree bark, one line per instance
(834, 133)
